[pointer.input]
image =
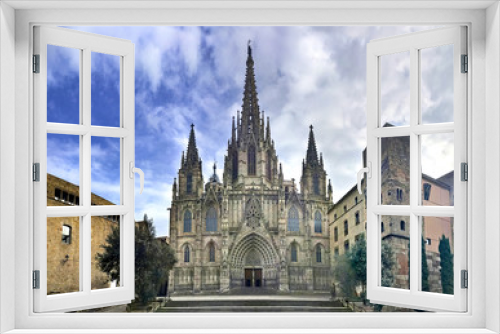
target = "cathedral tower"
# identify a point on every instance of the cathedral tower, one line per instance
(190, 173)
(313, 180)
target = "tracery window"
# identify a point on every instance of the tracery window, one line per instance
(211, 221)
(318, 253)
(316, 184)
(186, 254)
(293, 220)
(293, 253)
(187, 220)
(189, 183)
(317, 222)
(251, 160)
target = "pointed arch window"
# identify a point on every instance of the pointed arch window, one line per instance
(318, 253)
(251, 160)
(188, 217)
(316, 184)
(317, 222)
(187, 254)
(293, 253)
(189, 183)
(268, 167)
(293, 220)
(211, 222)
(211, 253)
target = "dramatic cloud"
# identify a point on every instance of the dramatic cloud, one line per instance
(305, 75)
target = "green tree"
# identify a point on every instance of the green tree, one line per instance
(446, 265)
(344, 276)
(357, 260)
(425, 268)
(153, 260)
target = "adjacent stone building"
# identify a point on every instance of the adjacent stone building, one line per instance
(252, 228)
(348, 216)
(63, 239)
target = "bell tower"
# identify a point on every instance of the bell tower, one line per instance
(313, 180)
(190, 173)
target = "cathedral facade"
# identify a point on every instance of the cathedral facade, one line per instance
(252, 228)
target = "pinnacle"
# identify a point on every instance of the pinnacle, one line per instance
(192, 151)
(312, 153)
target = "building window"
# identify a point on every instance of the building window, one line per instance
(186, 254)
(427, 191)
(235, 165)
(211, 253)
(316, 184)
(399, 194)
(345, 208)
(346, 246)
(317, 222)
(211, 222)
(251, 160)
(293, 220)
(382, 227)
(428, 241)
(336, 252)
(65, 196)
(187, 221)
(294, 253)
(336, 234)
(346, 227)
(189, 183)
(318, 253)
(357, 218)
(57, 193)
(66, 234)
(335, 217)
(356, 200)
(403, 225)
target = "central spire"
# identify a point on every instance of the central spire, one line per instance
(192, 157)
(250, 115)
(312, 153)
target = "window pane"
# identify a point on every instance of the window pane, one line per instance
(63, 255)
(436, 90)
(63, 85)
(395, 89)
(395, 171)
(437, 169)
(437, 250)
(105, 171)
(63, 170)
(395, 252)
(105, 248)
(105, 90)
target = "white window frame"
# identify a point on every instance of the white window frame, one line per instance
(413, 43)
(86, 43)
(483, 19)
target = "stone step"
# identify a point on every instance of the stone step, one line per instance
(260, 308)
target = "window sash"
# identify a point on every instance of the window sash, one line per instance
(413, 298)
(87, 43)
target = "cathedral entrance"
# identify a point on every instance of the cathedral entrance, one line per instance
(253, 278)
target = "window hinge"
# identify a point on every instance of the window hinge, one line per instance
(465, 279)
(36, 279)
(36, 63)
(36, 172)
(464, 176)
(465, 64)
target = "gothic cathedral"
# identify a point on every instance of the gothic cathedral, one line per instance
(253, 229)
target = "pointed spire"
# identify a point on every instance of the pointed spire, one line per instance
(233, 133)
(192, 158)
(174, 189)
(312, 153)
(250, 114)
(321, 159)
(182, 159)
(268, 129)
(330, 190)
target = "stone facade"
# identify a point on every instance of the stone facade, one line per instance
(63, 239)
(395, 190)
(253, 228)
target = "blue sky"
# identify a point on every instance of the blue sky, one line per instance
(184, 75)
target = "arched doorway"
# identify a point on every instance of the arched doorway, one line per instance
(254, 263)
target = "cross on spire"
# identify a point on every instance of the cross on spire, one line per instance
(192, 157)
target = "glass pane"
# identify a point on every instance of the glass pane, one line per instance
(63, 255)
(105, 248)
(105, 90)
(105, 171)
(437, 169)
(395, 171)
(395, 251)
(436, 99)
(437, 250)
(63, 169)
(395, 89)
(63, 84)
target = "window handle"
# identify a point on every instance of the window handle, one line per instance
(134, 170)
(368, 171)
